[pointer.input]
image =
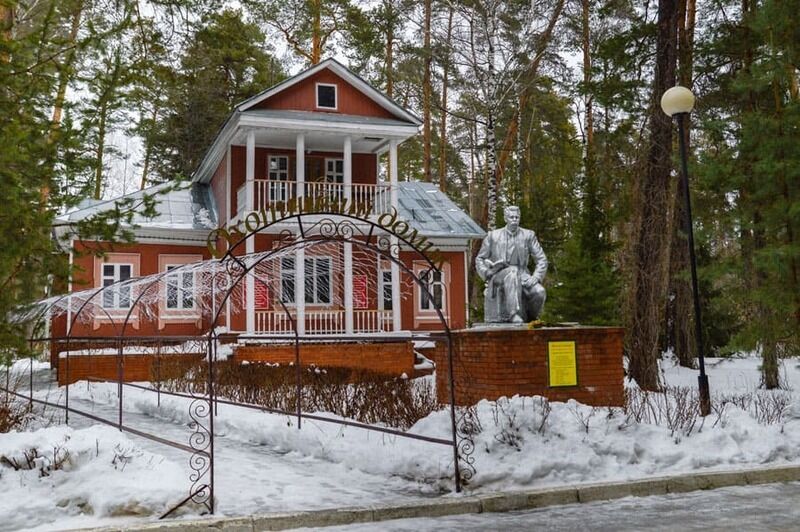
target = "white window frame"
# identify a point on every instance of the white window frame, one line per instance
(180, 288)
(331, 177)
(432, 284)
(384, 284)
(115, 291)
(279, 185)
(311, 281)
(335, 96)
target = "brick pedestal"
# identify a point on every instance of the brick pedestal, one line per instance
(505, 361)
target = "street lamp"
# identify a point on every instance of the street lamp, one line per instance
(678, 102)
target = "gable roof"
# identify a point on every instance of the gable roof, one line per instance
(185, 206)
(345, 73)
(428, 210)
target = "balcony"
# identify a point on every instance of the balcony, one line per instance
(375, 197)
(324, 321)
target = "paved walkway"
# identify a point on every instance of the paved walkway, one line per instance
(742, 508)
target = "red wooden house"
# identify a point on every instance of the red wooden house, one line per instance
(321, 132)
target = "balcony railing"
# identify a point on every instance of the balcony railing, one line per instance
(376, 197)
(325, 321)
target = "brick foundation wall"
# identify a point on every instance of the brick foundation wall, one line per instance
(489, 364)
(393, 358)
(104, 367)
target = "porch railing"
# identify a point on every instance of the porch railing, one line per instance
(376, 196)
(325, 321)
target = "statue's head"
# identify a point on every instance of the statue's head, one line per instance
(511, 215)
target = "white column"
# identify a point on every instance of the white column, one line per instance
(300, 254)
(250, 171)
(348, 288)
(300, 164)
(348, 247)
(300, 289)
(396, 322)
(250, 245)
(348, 168)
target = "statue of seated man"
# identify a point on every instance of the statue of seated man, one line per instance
(513, 294)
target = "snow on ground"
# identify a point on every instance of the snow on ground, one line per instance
(732, 375)
(522, 443)
(270, 465)
(60, 472)
(23, 367)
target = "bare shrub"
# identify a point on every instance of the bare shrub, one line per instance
(541, 409)
(15, 413)
(356, 394)
(583, 419)
(678, 407)
(505, 419)
(34, 459)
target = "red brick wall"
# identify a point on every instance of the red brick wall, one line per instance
(489, 364)
(393, 358)
(104, 367)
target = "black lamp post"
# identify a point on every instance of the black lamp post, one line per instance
(678, 102)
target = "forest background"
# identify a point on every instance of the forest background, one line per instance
(551, 105)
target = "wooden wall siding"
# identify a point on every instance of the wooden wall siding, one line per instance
(456, 296)
(302, 97)
(490, 364)
(218, 184)
(364, 166)
(84, 277)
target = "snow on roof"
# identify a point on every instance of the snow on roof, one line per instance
(432, 213)
(189, 206)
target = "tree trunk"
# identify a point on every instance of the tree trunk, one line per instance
(99, 150)
(426, 96)
(6, 24)
(530, 75)
(443, 119)
(148, 151)
(680, 307)
(316, 32)
(651, 241)
(389, 51)
(587, 79)
(491, 139)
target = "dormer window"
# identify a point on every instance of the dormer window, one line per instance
(326, 96)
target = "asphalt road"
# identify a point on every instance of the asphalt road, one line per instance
(745, 508)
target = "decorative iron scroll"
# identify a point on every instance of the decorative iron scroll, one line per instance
(200, 460)
(467, 427)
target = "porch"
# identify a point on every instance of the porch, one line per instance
(373, 198)
(321, 322)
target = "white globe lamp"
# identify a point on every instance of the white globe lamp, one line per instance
(677, 100)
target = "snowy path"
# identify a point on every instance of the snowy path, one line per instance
(249, 478)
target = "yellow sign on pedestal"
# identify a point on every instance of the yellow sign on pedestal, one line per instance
(562, 363)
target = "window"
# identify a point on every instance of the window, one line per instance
(326, 96)
(435, 283)
(385, 287)
(317, 280)
(277, 171)
(334, 170)
(180, 289)
(287, 279)
(118, 297)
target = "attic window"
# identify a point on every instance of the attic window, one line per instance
(326, 96)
